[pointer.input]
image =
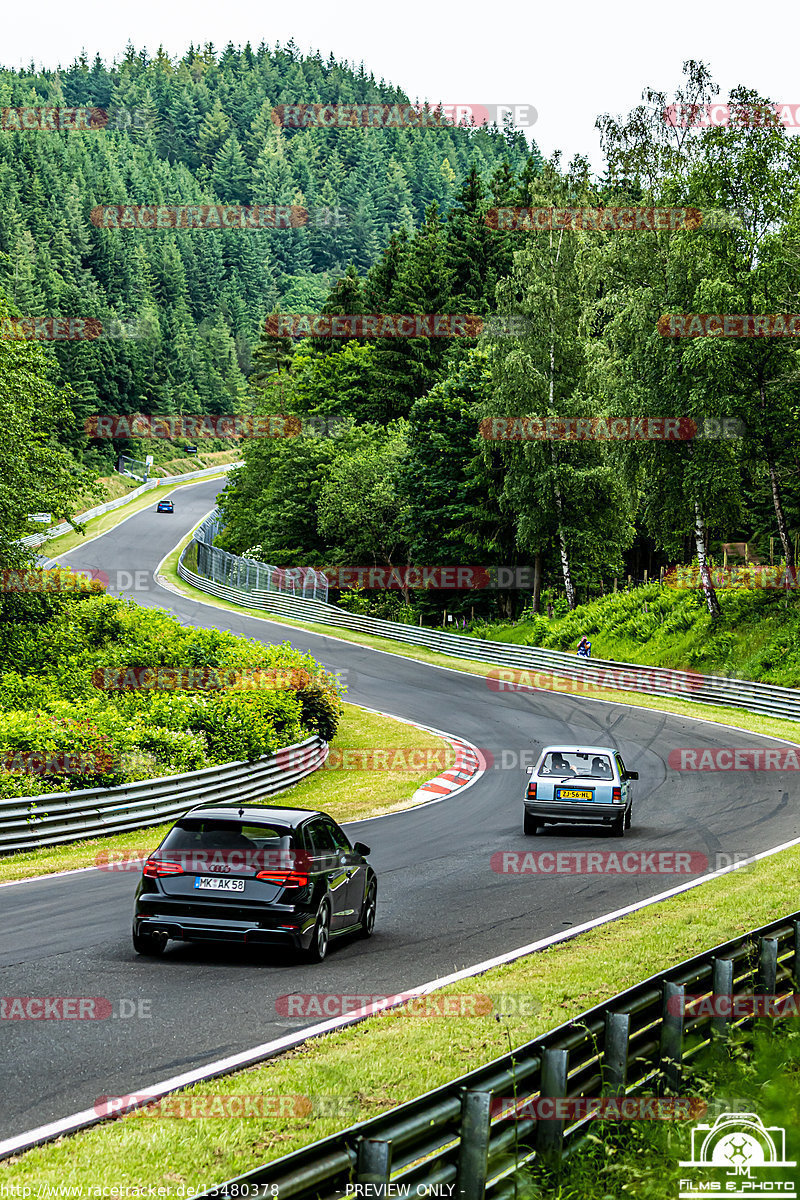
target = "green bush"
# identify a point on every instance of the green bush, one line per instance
(63, 751)
(50, 704)
(241, 726)
(175, 748)
(321, 709)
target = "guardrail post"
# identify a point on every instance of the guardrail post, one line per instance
(767, 978)
(615, 1055)
(374, 1161)
(473, 1150)
(796, 956)
(672, 1024)
(721, 985)
(550, 1134)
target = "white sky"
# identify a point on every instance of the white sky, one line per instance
(571, 60)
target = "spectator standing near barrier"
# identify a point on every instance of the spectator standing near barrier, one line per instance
(584, 648)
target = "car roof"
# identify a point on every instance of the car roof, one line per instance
(258, 814)
(579, 749)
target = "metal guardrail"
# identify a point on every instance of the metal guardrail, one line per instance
(36, 539)
(631, 1045)
(248, 574)
(28, 823)
(585, 676)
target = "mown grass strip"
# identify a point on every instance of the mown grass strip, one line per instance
(737, 718)
(98, 525)
(397, 1055)
(348, 794)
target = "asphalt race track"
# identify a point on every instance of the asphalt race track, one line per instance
(440, 905)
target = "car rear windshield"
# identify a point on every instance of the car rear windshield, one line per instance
(570, 764)
(198, 833)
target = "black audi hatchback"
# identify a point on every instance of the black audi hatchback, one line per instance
(254, 875)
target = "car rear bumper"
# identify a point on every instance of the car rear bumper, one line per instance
(198, 929)
(576, 814)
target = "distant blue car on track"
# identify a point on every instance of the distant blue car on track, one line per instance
(579, 785)
(165, 506)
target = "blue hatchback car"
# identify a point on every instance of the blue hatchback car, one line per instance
(579, 785)
(165, 506)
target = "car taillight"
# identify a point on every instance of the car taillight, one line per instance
(284, 878)
(531, 791)
(616, 795)
(155, 866)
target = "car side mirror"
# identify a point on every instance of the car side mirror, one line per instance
(631, 775)
(529, 770)
(362, 849)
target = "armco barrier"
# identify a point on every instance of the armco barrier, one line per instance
(594, 672)
(248, 574)
(26, 823)
(633, 1044)
(36, 539)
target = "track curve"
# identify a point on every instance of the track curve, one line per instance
(441, 906)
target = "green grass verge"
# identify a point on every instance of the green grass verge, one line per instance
(757, 1071)
(348, 795)
(402, 1054)
(106, 521)
(396, 1056)
(756, 636)
(738, 718)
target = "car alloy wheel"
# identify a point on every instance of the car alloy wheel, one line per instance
(321, 937)
(369, 910)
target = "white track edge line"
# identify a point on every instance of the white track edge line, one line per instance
(298, 625)
(226, 1066)
(223, 1066)
(165, 492)
(357, 821)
